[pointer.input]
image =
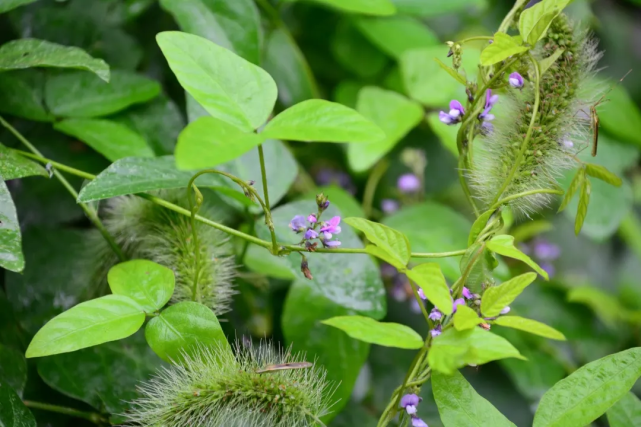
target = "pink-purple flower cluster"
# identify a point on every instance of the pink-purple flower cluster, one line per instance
(409, 402)
(312, 229)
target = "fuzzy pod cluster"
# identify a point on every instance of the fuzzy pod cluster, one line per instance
(215, 387)
(561, 125)
(148, 231)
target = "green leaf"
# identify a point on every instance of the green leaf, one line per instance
(504, 245)
(352, 282)
(285, 62)
(460, 405)
(7, 5)
(496, 298)
(582, 210)
(109, 318)
(466, 318)
(208, 142)
(478, 226)
(12, 411)
(111, 139)
(531, 326)
(11, 256)
(429, 8)
(396, 34)
(626, 412)
(13, 165)
(391, 241)
(367, 7)
(375, 332)
(22, 95)
(181, 328)
(342, 356)
(232, 24)
(479, 263)
(322, 121)
(535, 21)
(105, 377)
(621, 118)
(227, 86)
(546, 63)
(79, 94)
(385, 256)
(454, 349)
(27, 53)
(13, 369)
(430, 278)
(606, 306)
(577, 182)
(602, 173)
(448, 231)
(397, 116)
(502, 48)
(149, 284)
(589, 391)
(452, 72)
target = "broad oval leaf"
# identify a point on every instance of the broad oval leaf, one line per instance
(503, 46)
(13, 165)
(430, 278)
(11, 256)
(454, 349)
(322, 121)
(180, 328)
(208, 142)
(226, 85)
(396, 34)
(150, 284)
(111, 139)
(626, 412)
(368, 7)
(90, 323)
(496, 298)
(589, 391)
(460, 405)
(27, 53)
(375, 332)
(531, 326)
(466, 318)
(504, 245)
(397, 116)
(79, 94)
(13, 412)
(391, 241)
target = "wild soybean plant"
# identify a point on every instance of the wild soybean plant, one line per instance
(506, 160)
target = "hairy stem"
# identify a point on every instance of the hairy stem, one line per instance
(90, 416)
(525, 194)
(89, 211)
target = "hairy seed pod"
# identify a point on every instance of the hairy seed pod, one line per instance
(217, 388)
(145, 230)
(560, 129)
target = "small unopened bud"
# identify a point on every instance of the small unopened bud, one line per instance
(251, 182)
(304, 268)
(322, 201)
(450, 53)
(198, 196)
(470, 95)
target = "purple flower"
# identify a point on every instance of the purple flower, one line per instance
(457, 302)
(298, 224)
(331, 226)
(312, 218)
(506, 310)
(516, 80)
(310, 234)
(417, 422)
(435, 314)
(490, 100)
(408, 183)
(330, 243)
(389, 206)
(467, 294)
(409, 402)
(455, 115)
(436, 331)
(546, 251)
(421, 294)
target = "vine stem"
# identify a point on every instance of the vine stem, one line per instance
(525, 194)
(510, 16)
(528, 135)
(89, 211)
(267, 206)
(94, 417)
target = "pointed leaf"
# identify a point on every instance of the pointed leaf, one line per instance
(11, 256)
(602, 173)
(13, 165)
(589, 391)
(535, 21)
(27, 53)
(13, 413)
(529, 325)
(460, 405)
(322, 121)
(150, 284)
(112, 140)
(430, 278)
(452, 72)
(466, 318)
(90, 323)
(546, 63)
(504, 245)
(208, 142)
(582, 209)
(375, 332)
(626, 412)
(227, 86)
(478, 226)
(181, 328)
(385, 256)
(496, 298)
(502, 47)
(391, 241)
(454, 349)
(576, 183)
